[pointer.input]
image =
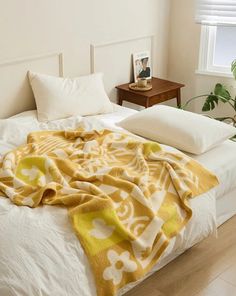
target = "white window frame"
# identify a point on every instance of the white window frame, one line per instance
(206, 64)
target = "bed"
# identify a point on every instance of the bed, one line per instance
(31, 261)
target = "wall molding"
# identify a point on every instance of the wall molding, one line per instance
(93, 47)
(37, 57)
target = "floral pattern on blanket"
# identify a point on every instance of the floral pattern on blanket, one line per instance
(126, 197)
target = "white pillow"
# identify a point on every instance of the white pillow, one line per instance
(181, 129)
(58, 97)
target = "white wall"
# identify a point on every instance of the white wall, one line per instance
(32, 27)
(184, 42)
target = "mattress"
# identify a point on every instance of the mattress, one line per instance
(40, 254)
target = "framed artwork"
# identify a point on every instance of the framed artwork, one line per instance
(142, 65)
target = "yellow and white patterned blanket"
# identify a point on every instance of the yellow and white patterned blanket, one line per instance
(126, 197)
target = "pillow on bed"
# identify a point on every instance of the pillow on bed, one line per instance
(181, 129)
(58, 97)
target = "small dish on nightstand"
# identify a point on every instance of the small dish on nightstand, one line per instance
(134, 86)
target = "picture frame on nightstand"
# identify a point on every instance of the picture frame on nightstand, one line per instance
(142, 65)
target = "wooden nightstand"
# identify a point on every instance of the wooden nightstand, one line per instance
(162, 90)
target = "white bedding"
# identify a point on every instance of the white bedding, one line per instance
(222, 161)
(40, 254)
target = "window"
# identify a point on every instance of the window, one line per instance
(218, 37)
(225, 46)
(217, 50)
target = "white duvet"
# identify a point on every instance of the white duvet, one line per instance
(39, 252)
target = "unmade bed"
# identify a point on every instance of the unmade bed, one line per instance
(41, 255)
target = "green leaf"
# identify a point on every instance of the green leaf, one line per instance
(233, 138)
(233, 68)
(224, 118)
(210, 103)
(222, 93)
(229, 120)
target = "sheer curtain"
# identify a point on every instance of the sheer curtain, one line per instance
(216, 12)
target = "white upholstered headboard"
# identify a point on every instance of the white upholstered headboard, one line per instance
(15, 93)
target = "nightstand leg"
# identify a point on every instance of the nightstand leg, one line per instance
(120, 101)
(147, 103)
(120, 97)
(178, 98)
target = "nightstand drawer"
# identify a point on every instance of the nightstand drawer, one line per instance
(132, 98)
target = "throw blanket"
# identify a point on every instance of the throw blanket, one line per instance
(126, 197)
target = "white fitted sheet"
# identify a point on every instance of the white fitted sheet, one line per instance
(222, 161)
(40, 254)
(225, 207)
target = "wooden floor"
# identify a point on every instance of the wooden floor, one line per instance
(207, 269)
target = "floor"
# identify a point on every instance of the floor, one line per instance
(207, 269)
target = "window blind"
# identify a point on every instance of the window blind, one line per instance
(216, 12)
